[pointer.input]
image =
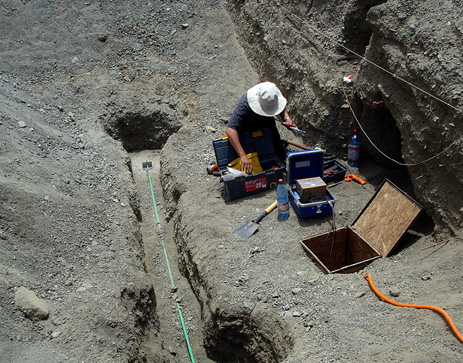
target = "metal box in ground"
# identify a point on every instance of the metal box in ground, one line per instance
(302, 165)
(376, 231)
(259, 142)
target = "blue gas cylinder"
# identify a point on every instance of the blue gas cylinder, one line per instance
(282, 201)
(353, 151)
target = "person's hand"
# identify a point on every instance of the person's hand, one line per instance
(246, 164)
(289, 123)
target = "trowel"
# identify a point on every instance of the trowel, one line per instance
(247, 228)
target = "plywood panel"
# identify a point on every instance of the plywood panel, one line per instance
(386, 219)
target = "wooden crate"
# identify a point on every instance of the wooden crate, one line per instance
(376, 231)
(342, 251)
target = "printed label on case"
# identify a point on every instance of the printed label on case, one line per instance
(255, 184)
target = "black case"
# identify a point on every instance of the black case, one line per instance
(333, 170)
(242, 186)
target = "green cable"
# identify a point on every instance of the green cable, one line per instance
(168, 268)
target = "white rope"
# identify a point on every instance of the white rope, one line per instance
(395, 76)
(372, 63)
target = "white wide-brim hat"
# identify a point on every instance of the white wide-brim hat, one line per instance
(265, 99)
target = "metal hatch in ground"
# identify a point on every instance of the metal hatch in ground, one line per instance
(376, 231)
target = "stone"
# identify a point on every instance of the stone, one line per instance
(30, 304)
(172, 350)
(308, 324)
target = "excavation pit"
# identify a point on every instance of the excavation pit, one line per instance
(142, 130)
(243, 336)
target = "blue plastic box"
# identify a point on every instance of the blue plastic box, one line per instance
(301, 165)
(244, 185)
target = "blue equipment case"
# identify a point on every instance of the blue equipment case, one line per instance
(301, 165)
(244, 185)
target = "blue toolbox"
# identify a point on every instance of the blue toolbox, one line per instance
(303, 168)
(238, 184)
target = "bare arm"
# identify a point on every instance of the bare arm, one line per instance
(235, 142)
(286, 119)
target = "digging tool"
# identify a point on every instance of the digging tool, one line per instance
(294, 129)
(290, 142)
(326, 155)
(247, 228)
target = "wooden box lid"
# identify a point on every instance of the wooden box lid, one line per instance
(386, 218)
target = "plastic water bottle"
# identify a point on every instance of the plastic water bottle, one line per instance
(353, 152)
(282, 201)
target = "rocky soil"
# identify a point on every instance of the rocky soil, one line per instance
(89, 91)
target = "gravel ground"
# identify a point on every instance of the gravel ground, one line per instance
(91, 90)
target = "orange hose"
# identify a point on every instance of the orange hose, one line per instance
(439, 310)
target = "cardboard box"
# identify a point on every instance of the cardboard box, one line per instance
(376, 231)
(247, 184)
(309, 188)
